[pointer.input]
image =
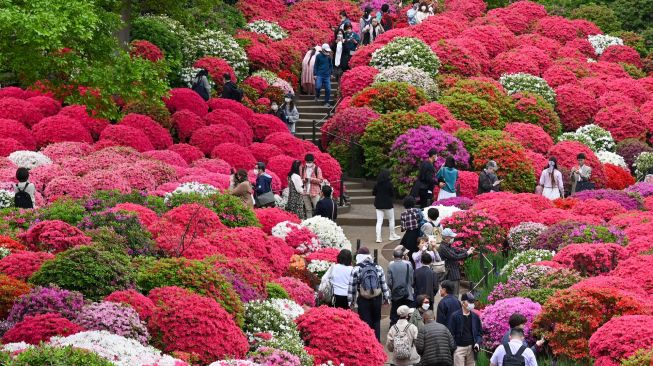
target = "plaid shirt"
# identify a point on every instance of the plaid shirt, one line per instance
(354, 282)
(410, 219)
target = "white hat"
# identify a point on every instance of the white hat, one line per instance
(449, 233)
(403, 311)
(326, 48)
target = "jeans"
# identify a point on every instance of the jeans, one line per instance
(394, 318)
(326, 81)
(380, 215)
(369, 310)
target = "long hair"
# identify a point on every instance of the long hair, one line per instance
(201, 73)
(240, 176)
(384, 176)
(294, 168)
(552, 173)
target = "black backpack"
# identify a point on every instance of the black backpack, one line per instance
(514, 360)
(22, 199)
(199, 88)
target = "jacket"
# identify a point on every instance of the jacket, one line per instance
(230, 91)
(244, 192)
(328, 208)
(426, 176)
(446, 308)
(314, 186)
(486, 181)
(412, 334)
(435, 345)
(351, 42)
(386, 21)
(456, 327)
(451, 256)
(323, 66)
(426, 282)
(397, 277)
(263, 184)
(384, 194)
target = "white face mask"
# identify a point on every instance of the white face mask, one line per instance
(423, 8)
(310, 165)
(275, 107)
(470, 307)
(287, 100)
(256, 171)
(425, 306)
(551, 164)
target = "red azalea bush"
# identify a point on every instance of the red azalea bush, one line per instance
(516, 169)
(239, 157)
(107, 180)
(476, 229)
(158, 136)
(495, 39)
(23, 264)
(356, 79)
(186, 322)
(94, 125)
(471, 9)
(575, 106)
(7, 146)
(10, 290)
(257, 82)
(617, 53)
(12, 92)
(280, 165)
(263, 152)
(167, 157)
(326, 332)
(348, 124)
(614, 341)
(453, 125)
(190, 153)
(299, 292)
(20, 110)
(331, 170)
(213, 165)
(638, 270)
(509, 212)
(53, 236)
(468, 184)
(184, 98)
(456, 59)
(614, 98)
(46, 105)
(602, 208)
(623, 121)
(269, 217)
(231, 105)
(11, 129)
(558, 75)
(265, 125)
(189, 218)
(59, 129)
(14, 246)
(40, 328)
(538, 160)
(524, 59)
(69, 186)
(146, 216)
(631, 89)
(216, 68)
(437, 111)
(566, 152)
(556, 27)
(228, 118)
(591, 259)
(607, 70)
(146, 50)
(127, 136)
(531, 136)
(253, 271)
(143, 305)
(324, 254)
(208, 137)
(389, 97)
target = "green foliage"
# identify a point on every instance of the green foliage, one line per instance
(89, 270)
(67, 210)
(162, 32)
(196, 15)
(276, 291)
(634, 14)
(101, 200)
(478, 113)
(475, 274)
(539, 295)
(639, 358)
(106, 239)
(231, 209)
(138, 241)
(472, 138)
(632, 70)
(56, 356)
(601, 15)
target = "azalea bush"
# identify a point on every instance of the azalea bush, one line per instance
(532, 108)
(526, 257)
(384, 97)
(116, 318)
(270, 29)
(562, 234)
(262, 316)
(595, 137)
(522, 82)
(47, 300)
(591, 259)
(39, 328)
(407, 52)
(356, 79)
(476, 229)
(328, 232)
(298, 291)
(515, 168)
(216, 42)
(413, 76)
(530, 136)
(524, 236)
(495, 319)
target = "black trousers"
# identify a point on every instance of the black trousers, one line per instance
(393, 309)
(340, 302)
(425, 198)
(369, 310)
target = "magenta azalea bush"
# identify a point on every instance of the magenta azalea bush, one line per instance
(495, 319)
(120, 319)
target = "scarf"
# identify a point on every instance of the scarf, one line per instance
(338, 53)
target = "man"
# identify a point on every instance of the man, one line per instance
(426, 281)
(487, 180)
(467, 331)
(426, 179)
(448, 305)
(312, 178)
(327, 207)
(580, 175)
(452, 257)
(368, 288)
(514, 352)
(386, 17)
(435, 343)
(518, 321)
(263, 190)
(400, 283)
(322, 70)
(230, 90)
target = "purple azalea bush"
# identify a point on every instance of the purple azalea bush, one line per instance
(495, 319)
(507, 290)
(268, 356)
(246, 292)
(377, 4)
(411, 148)
(559, 235)
(120, 319)
(630, 200)
(43, 300)
(462, 203)
(642, 188)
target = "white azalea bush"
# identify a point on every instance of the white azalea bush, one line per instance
(600, 42)
(404, 51)
(219, 44)
(328, 232)
(607, 157)
(524, 235)
(234, 363)
(643, 163)
(264, 317)
(523, 82)
(319, 267)
(307, 245)
(29, 159)
(270, 29)
(288, 308)
(595, 137)
(4, 252)
(411, 75)
(192, 187)
(526, 257)
(6, 198)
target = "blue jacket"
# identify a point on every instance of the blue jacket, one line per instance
(263, 184)
(447, 306)
(456, 327)
(323, 66)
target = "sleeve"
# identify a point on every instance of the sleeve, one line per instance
(297, 181)
(495, 356)
(560, 183)
(389, 278)
(484, 183)
(452, 254)
(479, 338)
(317, 59)
(438, 175)
(205, 82)
(239, 189)
(389, 343)
(588, 173)
(441, 316)
(353, 283)
(542, 179)
(419, 343)
(384, 285)
(453, 325)
(31, 190)
(320, 209)
(293, 116)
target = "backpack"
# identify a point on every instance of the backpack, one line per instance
(238, 93)
(370, 284)
(403, 344)
(199, 88)
(401, 292)
(22, 199)
(422, 220)
(514, 360)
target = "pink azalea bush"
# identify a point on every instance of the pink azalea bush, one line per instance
(299, 292)
(54, 236)
(495, 319)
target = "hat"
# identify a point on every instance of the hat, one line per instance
(363, 250)
(448, 232)
(401, 248)
(469, 297)
(326, 48)
(403, 311)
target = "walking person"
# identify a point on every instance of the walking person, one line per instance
(375, 30)
(435, 344)
(201, 84)
(327, 206)
(366, 26)
(296, 191)
(467, 331)
(551, 181)
(426, 281)
(448, 305)
(338, 277)
(412, 13)
(401, 340)
(368, 290)
(400, 282)
(425, 180)
(264, 197)
(384, 193)
(290, 111)
(242, 188)
(312, 180)
(344, 21)
(230, 90)
(322, 71)
(24, 191)
(447, 178)
(339, 51)
(422, 305)
(308, 63)
(488, 180)
(452, 257)
(580, 175)
(352, 40)
(515, 352)
(410, 224)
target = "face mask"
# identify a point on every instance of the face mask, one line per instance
(423, 8)
(470, 307)
(256, 171)
(551, 164)
(274, 107)
(310, 165)
(430, 8)
(287, 100)
(425, 306)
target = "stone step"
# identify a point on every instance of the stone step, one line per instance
(357, 192)
(351, 185)
(362, 200)
(349, 220)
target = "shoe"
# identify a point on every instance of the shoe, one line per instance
(327, 105)
(394, 237)
(378, 240)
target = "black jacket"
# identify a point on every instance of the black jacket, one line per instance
(426, 176)
(426, 282)
(435, 345)
(486, 181)
(452, 257)
(230, 91)
(446, 308)
(328, 208)
(384, 194)
(456, 327)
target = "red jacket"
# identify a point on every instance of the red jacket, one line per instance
(315, 180)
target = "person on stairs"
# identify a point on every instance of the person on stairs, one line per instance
(290, 111)
(312, 180)
(401, 340)
(322, 70)
(383, 193)
(400, 283)
(308, 79)
(352, 40)
(410, 224)
(366, 26)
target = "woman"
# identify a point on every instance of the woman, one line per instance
(551, 181)
(447, 179)
(308, 81)
(338, 53)
(201, 84)
(422, 13)
(403, 325)
(339, 277)
(352, 39)
(422, 305)
(290, 111)
(295, 191)
(242, 188)
(383, 193)
(366, 26)
(376, 29)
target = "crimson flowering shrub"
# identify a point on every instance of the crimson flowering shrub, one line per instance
(622, 120)
(575, 106)
(45, 300)
(216, 68)
(225, 117)
(23, 264)
(630, 88)
(626, 54)
(384, 97)
(526, 59)
(8, 146)
(617, 177)
(183, 98)
(495, 318)
(236, 155)
(495, 39)
(535, 201)
(468, 184)
(471, 9)
(169, 157)
(637, 270)
(265, 125)
(158, 136)
(612, 342)
(269, 217)
(628, 200)
(10, 290)
(231, 105)
(186, 322)
(213, 165)
(325, 332)
(253, 271)
(257, 82)
(141, 304)
(508, 212)
(94, 125)
(145, 215)
(59, 129)
(208, 137)
(437, 111)
(9, 243)
(190, 153)
(557, 28)
(566, 152)
(280, 165)
(530, 136)
(194, 219)
(20, 110)
(456, 59)
(144, 49)
(476, 229)
(348, 124)
(607, 70)
(602, 208)
(11, 129)
(298, 291)
(591, 259)
(516, 169)
(356, 79)
(39, 328)
(453, 125)
(324, 254)
(263, 151)
(126, 136)
(558, 75)
(53, 236)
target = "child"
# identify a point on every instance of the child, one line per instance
(24, 190)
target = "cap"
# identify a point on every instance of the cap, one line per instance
(469, 297)
(401, 248)
(448, 232)
(403, 311)
(326, 47)
(363, 250)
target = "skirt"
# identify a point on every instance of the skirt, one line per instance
(443, 195)
(551, 193)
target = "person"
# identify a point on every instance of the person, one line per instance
(366, 25)
(410, 224)
(352, 39)
(384, 194)
(426, 281)
(344, 21)
(290, 111)
(308, 63)
(295, 191)
(422, 13)
(580, 175)
(338, 276)
(375, 30)
(487, 180)
(467, 330)
(448, 305)
(338, 56)
(551, 181)
(405, 252)
(400, 282)
(230, 90)
(422, 305)
(447, 178)
(201, 84)
(368, 290)
(432, 227)
(424, 246)
(242, 188)
(514, 352)
(405, 334)
(24, 191)
(312, 178)
(452, 257)
(412, 13)
(434, 343)
(426, 180)
(263, 190)
(322, 71)
(327, 207)
(386, 17)
(519, 321)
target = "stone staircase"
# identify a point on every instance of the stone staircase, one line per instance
(309, 111)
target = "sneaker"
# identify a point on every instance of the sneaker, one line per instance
(327, 105)
(378, 240)
(394, 237)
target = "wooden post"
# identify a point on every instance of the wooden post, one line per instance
(358, 245)
(376, 256)
(314, 132)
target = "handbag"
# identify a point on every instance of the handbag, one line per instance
(438, 267)
(264, 199)
(325, 291)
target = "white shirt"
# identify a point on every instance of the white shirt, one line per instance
(341, 275)
(297, 182)
(497, 357)
(29, 188)
(309, 173)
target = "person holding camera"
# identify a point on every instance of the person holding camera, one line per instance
(352, 40)
(452, 257)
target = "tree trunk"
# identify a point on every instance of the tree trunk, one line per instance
(125, 15)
